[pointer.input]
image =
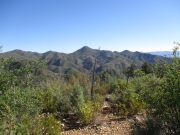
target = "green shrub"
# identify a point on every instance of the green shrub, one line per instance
(161, 92)
(21, 103)
(69, 100)
(86, 112)
(126, 101)
(45, 124)
(89, 108)
(77, 98)
(146, 87)
(127, 104)
(139, 73)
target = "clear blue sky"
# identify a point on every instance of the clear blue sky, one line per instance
(67, 25)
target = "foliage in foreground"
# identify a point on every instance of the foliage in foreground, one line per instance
(30, 108)
(126, 102)
(162, 96)
(21, 103)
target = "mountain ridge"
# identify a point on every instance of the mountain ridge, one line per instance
(164, 53)
(83, 59)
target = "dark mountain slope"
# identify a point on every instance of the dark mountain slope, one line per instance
(140, 57)
(83, 59)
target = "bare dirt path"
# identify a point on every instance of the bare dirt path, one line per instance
(105, 124)
(107, 128)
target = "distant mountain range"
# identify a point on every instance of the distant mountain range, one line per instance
(83, 59)
(164, 53)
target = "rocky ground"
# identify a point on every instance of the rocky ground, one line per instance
(106, 123)
(107, 128)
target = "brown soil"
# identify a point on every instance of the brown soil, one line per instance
(105, 125)
(111, 128)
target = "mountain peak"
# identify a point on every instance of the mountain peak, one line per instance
(84, 49)
(126, 51)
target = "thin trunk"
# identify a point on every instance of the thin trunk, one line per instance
(127, 80)
(93, 80)
(93, 77)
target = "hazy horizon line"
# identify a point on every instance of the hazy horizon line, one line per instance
(82, 47)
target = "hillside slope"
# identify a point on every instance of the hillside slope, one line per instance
(83, 60)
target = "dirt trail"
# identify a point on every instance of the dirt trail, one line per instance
(107, 128)
(105, 124)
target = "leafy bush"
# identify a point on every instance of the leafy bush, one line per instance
(89, 108)
(161, 92)
(146, 87)
(21, 103)
(45, 124)
(126, 102)
(86, 112)
(167, 107)
(128, 105)
(19, 110)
